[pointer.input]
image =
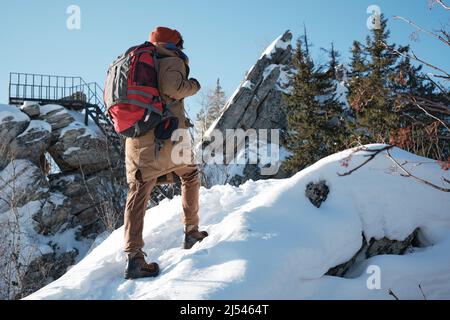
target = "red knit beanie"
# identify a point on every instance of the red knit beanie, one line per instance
(165, 35)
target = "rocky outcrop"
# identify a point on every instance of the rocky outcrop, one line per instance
(93, 199)
(74, 205)
(258, 103)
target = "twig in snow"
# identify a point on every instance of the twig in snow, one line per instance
(408, 174)
(423, 294)
(374, 153)
(391, 293)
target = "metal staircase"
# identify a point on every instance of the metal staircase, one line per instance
(74, 93)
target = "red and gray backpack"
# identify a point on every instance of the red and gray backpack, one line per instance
(132, 98)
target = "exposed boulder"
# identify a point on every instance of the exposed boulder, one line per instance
(21, 182)
(375, 247)
(80, 148)
(12, 123)
(31, 108)
(33, 142)
(57, 116)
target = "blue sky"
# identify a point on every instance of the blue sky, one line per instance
(222, 38)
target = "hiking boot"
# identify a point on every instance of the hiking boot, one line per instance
(138, 268)
(192, 236)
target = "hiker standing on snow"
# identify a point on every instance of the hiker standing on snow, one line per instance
(147, 160)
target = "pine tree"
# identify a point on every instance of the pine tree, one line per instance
(372, 93)
(316, 127)
(212, 106)
(333, 62)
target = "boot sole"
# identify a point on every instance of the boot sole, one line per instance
(187, 245)
(133, 277)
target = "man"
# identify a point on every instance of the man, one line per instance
(146, 160)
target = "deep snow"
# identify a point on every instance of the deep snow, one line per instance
(267, 241)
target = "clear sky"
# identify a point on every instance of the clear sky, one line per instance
(223, 38)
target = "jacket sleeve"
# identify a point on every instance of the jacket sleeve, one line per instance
(174, 84)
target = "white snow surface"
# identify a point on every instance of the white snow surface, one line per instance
(267, 241)
(7, 111)
(36, 126)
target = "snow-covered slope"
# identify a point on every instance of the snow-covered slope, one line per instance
(267, 241)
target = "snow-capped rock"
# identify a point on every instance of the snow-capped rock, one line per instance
(33, 142)
(31, 108)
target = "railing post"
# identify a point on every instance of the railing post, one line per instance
(86, 115)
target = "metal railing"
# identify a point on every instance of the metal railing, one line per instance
(72, 91)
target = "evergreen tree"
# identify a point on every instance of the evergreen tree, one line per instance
(211, 109)
(316, 127)
(372, 93)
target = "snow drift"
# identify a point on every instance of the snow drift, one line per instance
(267, 241)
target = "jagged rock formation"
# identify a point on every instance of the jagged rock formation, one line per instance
(49, 219)
(258, 103)
(376, 247)
(317, 193)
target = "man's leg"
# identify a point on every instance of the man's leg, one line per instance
(135, 209)
(190, 188)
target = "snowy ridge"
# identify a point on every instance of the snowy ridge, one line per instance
(267, 241)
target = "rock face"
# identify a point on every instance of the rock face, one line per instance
(373, 248)
(32, 109)
(12, 123)
(317, 193)
(53, 214)
(258, 103)
(78, 147)
(93, 198)
(21, 182)
(33, 142)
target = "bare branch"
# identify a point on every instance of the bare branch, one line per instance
(420, 29)
(414, 57)
(441, 2)
(408, 174)
(374, 153)
(413, 99)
